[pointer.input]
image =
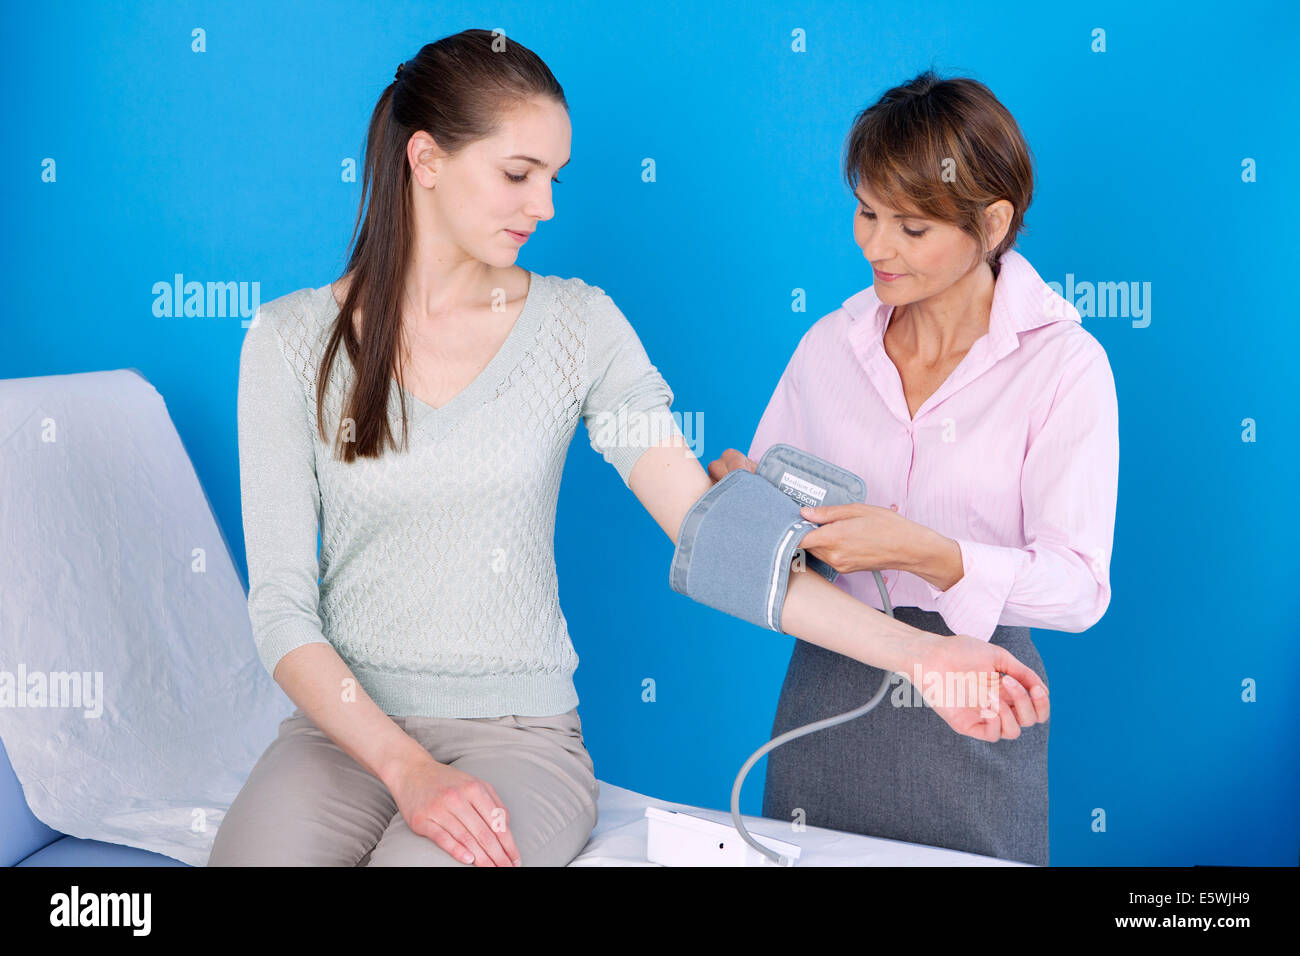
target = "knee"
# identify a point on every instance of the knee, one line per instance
(272, 842)
(561, 847)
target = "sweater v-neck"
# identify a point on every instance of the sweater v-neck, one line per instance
(514, 347)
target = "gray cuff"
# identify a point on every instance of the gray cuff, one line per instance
(735, 547)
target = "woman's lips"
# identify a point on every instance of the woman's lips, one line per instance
(888, 276)
(520, 236)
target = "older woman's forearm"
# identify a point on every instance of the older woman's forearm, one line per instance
(668, 479)
(937, 561)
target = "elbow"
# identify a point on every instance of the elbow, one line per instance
(1090, 612)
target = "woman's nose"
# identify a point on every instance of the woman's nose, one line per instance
(874, 247)
(540, 207)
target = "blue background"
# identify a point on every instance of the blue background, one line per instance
(225, 166)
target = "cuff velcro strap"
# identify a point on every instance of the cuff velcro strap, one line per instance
(735, 547)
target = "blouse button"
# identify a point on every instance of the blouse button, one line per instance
(894, 507)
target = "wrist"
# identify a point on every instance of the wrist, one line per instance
(401, 758)
(936, 559)
(907, 646)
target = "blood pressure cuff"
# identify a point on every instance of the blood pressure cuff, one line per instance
(735, 547)
(737, 541)
(814, 482)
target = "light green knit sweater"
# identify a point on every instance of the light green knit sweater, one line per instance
(436, 579)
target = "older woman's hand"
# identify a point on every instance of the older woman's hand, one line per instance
(859, 537)
(730, 460)
(980, 689)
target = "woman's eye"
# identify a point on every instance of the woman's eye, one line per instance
(872, 215)
(520, 179)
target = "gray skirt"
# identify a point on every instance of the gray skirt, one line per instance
(901, 772)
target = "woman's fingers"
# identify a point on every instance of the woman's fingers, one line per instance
(459, 842)
(476, 813)
(1042, 702)
(731, 460)
(1010, 729)
(1018, 698)
(735, 459)
(1007, 663)
(442, 837)
(493, 811)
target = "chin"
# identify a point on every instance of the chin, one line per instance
(500, 259)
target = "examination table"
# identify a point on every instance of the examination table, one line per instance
(102, 514)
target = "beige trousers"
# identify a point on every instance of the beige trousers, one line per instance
(307, 803)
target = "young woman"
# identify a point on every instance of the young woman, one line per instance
(984, 421)
(425, 647)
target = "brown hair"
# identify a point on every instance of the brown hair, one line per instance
(456, 90)
(944, 149)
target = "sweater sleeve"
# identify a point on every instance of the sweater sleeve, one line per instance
(626, 403)
(280, 497)
(1069, 485)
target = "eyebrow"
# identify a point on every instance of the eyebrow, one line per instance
(537, 162)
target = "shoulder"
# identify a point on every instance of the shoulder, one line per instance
(296, 324)
(1065, 359)
(587, 309)
(577, 293)
(831, 329)
(1050, 329)
(305, 308)
(1067, 347)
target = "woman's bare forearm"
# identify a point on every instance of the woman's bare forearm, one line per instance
(318, 680)
(820, 613)
(669, 479)
(937, 561)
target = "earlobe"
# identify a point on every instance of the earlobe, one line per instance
(425, 173)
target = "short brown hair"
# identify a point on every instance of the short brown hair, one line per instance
(944, 149)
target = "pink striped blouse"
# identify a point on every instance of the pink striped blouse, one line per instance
(1015, 456)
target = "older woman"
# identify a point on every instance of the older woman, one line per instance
(983, 419)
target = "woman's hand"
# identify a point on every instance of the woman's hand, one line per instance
(730, 460)
(860, 537)
(855, 537)
(980, 690)
(457, 811)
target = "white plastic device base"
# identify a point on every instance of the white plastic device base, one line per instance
(680, 839)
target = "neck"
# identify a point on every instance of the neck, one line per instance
(443, 279)
(935, 329)
(440, 284)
